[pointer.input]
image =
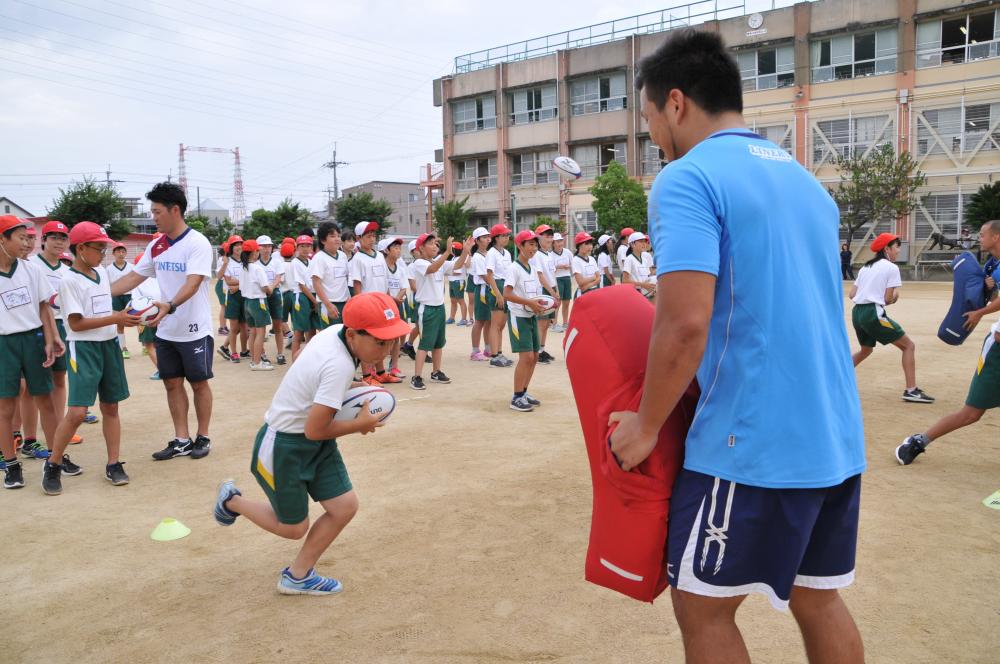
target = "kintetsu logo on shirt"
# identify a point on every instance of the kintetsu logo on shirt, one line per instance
(170, 266)
(774, 154)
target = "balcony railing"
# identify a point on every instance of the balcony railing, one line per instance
(958, 54)
(540, 177)
(471, 184)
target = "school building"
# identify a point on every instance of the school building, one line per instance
(820, 79)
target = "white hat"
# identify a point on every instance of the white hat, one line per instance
(365, 227)
(557, 237)
(385, 243)
(635, 237)
(412, 246)
(264, 239)
(601, 241)
(479, 232)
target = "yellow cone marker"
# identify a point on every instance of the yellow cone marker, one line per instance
(169, 530)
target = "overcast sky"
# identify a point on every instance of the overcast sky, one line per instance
(88, 83)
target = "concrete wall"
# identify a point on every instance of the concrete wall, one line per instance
(598, 125)
(531, 72)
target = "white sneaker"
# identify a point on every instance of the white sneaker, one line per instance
(263, 366)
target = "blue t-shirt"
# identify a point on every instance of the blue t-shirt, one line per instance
(779, 405)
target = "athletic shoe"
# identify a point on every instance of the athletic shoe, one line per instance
(245, 353)
(417, 383)
(370, 379)
(460, 322)
(312, 584)
(408, 350)
(32, 449)
(75, 440)
(478, 356)
(223, 331)
(916, 395)
(388, 377)
(263, 358)
(69, 467)
(532, 400)
(397, 373)
(234, 358)
(174, 448)
(155, 375)
(115, 474)
(521, 404)
(911, 448)
(497, 362)
(18, 441)
(450, 321)
(145, 351)
(289, 335)
(125, 354)
(222, 515)
(200, 447)
(281, 360)
(263, 366)
(13, 477)
(90, 418)
(558, 328)
(506, 361)
(223, 351)
(544, 357)
(440, 377)
(51, 480)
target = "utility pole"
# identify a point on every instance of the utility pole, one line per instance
(107, 177)
(333, 164)
(198, 189)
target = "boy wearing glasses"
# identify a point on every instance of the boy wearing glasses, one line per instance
(96, 366)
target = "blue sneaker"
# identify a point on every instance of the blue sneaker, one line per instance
(155, 375)
(90, 418)
(32, 449)
(313, 584)
(226, 491)
(450, 321)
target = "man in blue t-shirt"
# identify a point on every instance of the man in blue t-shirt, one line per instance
(749, 302)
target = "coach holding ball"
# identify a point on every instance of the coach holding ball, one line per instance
(181, 262)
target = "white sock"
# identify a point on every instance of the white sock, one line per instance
(121, 340)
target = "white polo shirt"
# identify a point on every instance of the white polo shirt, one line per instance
(499, 261)
(298, 275)
(115, 273)
(563, 263)
(234, 270)
(637, 268)
(171, 262)
(586, 267)
(545, 265)
(370, 270)
(620, 255)
(524, 282)
(873, 281)
(272, 269)
(397, 278)
(477, 268)
(90, 298)
(253, 281)
(430, 287)
(333, 273)
(21, 291)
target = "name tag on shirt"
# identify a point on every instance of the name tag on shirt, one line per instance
(17, 297)
(378, 270)
(100, 305)
(339, 272)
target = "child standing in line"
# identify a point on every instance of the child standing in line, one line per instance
(622, 250)
(29, 342)
(605, 245)
(399, 284)
(481, 308)
(636, 268)
(429, 272)
(118, 268)
(256, 289)
(563, 260)
(147, 335)
(471, 292)
(498, 264)
(544, 264)
(296, 454)
(368, 274)
(274, 269)
(584, 266)
(288, 287)
(304, 303)
(234, 301)
(97, 369)
(328, 271)
(456, 291)
(220, 287)
(521, 291)
(411, 311)
(877, 287)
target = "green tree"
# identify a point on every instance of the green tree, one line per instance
(558, 225)
(119, 228)
(215, 232)
(352, 210)
(286, 220)
(984, 205)
(89, 201)
(874, 187)
(451, 219)
(619, 201)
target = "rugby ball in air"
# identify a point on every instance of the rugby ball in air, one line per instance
(143, 307)
(546, 301)
(380, 403)
(567, 167)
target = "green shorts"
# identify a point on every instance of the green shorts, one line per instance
(523, 334)
(302, 311)
(565, 287)
(491, 299)
(290, 468)
(456, 290)
(119, 302)
(482, 309)
(234, 306)
(147, 335)
(984, 392)
(61, 364)
(255, 312)
(287, 302)
(275, 305)
(320, 321)
(430, 322)
(872, 325)
(220, 292)
(21, 356)
(96, 370)
(470, 284)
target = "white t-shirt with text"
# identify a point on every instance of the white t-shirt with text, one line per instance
(171, 262)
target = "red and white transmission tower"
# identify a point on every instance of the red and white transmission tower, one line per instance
(239, 203)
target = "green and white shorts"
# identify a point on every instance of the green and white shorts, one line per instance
(21, 356)
(431, 322)
(984, 392)
(523, 334)
(96, 370)
(872, 325)
(255, 312)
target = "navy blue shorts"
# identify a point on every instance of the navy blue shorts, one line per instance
(728, 539)
(185, 359)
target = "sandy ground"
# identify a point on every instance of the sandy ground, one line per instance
(470, 542)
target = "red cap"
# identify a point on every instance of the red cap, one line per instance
(288, 240)
(304, 239)
(544, 228)
(457, 246)
(524, 236)
(287, 249)
(882, 241)
(88, 231)
(583, 236)
(422, 240)
(377, 314)
(9, 221)
(55, 227)
(499, 229)
(32, 231)
(233, 238)
(66, 256)
(626, 232)
(365, 227)
(250, 245)
(119, 245)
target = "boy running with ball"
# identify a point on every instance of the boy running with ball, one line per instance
(296, 456)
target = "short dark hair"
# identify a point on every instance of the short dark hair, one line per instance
(168, 194)
(696, 63)
(325, 229)
(348, 236)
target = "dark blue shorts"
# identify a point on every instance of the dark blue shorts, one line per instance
(185, 359)
(728, 539)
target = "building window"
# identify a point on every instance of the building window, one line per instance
(854, 55)
(767, 68)
(652, 157)
(533, 105)
(594, 159)
(474, 114)
(846, 137)
(474, 174)
(958, 130)
(586, 220)
(958, 39)
(6, 209)
(779, 134)
(413, 198)
(598, 94)
(940, 213)
(532, 168)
